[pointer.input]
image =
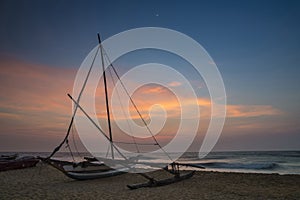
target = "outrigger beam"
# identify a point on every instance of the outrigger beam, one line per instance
(157, 183)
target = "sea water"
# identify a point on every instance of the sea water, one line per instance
(281, 162)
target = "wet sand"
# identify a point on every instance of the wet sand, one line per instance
(45, 182)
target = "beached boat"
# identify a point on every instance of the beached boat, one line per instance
(8, 157)
(84, 170)
(92, 168)
(18, 163)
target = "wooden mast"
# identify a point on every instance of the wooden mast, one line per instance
(106, 98)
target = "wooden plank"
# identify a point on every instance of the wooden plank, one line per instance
(157, 183)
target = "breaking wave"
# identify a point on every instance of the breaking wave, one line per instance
(255, 166)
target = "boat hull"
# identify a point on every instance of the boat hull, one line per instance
(84, 170)
(95, 174)
(18, 163)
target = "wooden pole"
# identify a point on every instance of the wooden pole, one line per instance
(106, 97)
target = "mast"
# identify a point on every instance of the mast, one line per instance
(106, 98)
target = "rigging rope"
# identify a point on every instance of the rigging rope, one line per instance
(95, 124)
(122, 108)
(74, 141)
(69, 148)
(76, 107)
(134, 143)
(134, 105)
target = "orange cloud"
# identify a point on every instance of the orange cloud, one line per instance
(34, 96)
(174, 84)
(147, 96)
(150, 89)
(251, 110)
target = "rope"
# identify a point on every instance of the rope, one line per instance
(95, 124)
(137, 110)
(69, 148)
(122, 108)
(134, 143)
(74, 142)
(108, 148)
(76, 107)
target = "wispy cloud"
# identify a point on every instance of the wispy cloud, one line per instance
(174, 84)
(33, 96)
(150, 89)
(252, 110)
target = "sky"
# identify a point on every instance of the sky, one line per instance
(255, 44)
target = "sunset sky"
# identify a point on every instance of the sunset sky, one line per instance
(255, 44)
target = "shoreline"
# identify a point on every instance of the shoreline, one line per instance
(281, 162)
(45, 182)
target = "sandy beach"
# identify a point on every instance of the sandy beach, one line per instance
(44, 182)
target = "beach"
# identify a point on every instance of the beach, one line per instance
(45, 182)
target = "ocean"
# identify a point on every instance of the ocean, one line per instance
(281, 162)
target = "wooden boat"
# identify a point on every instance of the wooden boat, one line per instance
(18, 163)
(84, 170)
(8, 157)
(91, 168)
